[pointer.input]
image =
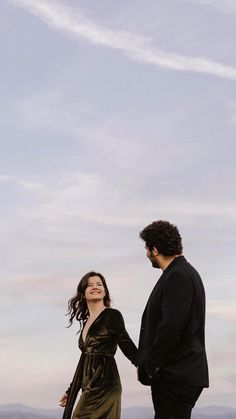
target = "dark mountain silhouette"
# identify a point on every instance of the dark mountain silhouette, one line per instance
(20, 411)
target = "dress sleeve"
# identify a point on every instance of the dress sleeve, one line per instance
(69, 389)
(117, 329)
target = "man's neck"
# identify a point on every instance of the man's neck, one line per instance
(166, 261)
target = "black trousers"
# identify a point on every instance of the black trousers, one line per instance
(173, 400)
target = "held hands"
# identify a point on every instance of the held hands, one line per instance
(63, 400)
(149, 376)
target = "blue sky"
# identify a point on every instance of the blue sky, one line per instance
(113, 114)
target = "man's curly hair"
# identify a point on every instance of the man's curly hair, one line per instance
(164, 236)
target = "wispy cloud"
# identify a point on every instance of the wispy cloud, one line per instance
(83, 189)
(225, 6)
(107, 213)
(222, 310)
(65, 18)
(30, 185)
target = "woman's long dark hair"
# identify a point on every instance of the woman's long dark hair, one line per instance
(77, 305)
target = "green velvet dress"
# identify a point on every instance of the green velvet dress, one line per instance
(96, 374)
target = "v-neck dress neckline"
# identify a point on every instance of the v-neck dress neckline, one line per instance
(98, 316)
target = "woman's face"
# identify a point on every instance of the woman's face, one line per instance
(95, 289)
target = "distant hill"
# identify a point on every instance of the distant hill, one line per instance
(20, 411)
(211, 412)
(20, 415)
(214, 412)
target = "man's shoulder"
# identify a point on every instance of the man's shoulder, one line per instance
(184, 270)
(181, 264)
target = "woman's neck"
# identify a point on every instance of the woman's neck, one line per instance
(95, 308)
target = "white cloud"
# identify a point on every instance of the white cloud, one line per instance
(68, 19)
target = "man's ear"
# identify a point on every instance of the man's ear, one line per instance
(155, 251)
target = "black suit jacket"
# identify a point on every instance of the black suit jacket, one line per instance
(172, 336)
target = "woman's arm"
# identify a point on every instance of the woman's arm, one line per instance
(127, 346)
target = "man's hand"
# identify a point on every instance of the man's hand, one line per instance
(63, 400)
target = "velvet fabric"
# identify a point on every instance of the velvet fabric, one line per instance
(97, 374)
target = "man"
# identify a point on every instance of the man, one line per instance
(172, 356)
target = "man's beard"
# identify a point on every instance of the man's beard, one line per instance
(154, 262)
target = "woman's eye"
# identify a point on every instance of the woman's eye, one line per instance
(94, 285)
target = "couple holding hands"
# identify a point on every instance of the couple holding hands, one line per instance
(171, 356)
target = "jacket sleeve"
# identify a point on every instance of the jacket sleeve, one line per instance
(175, 308)
(118, 331)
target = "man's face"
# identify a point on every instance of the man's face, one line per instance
(152, 256)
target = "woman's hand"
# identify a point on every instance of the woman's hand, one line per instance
(63, 400)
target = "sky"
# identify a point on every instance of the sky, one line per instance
(113, 115)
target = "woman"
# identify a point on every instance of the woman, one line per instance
(102, 329)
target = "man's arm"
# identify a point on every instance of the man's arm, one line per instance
(176, 305)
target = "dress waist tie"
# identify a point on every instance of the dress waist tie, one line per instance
(98, 353)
